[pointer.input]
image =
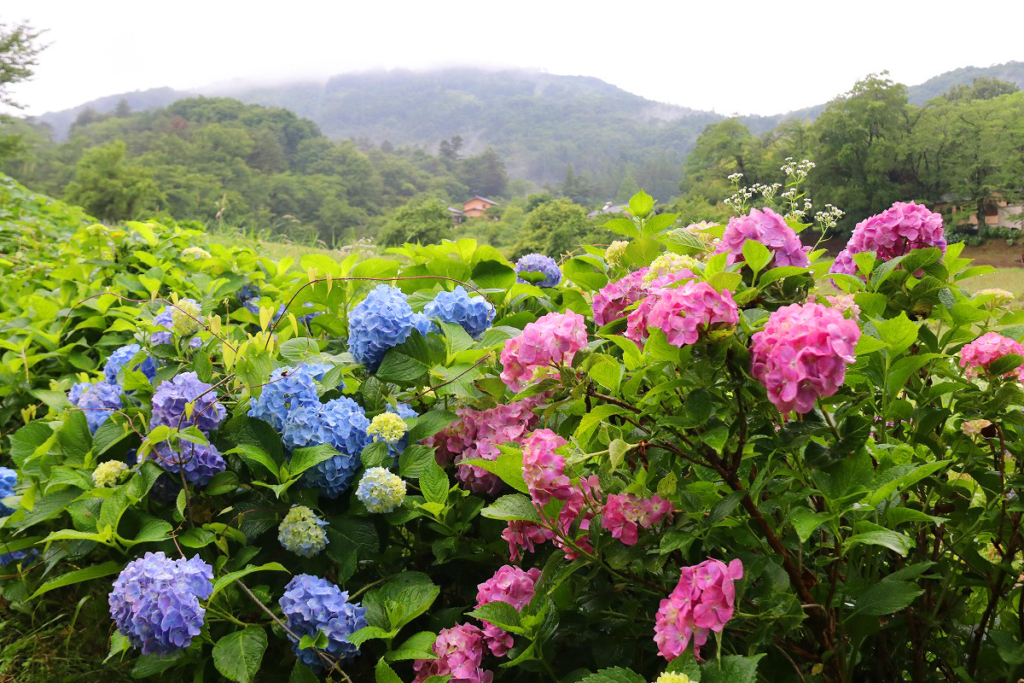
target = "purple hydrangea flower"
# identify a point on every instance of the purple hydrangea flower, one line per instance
(121, 356)
(7, 559)
(312, 604)
(289, 388)
(771, 230)
(380, 321)
(474, 315)
(340, 423)
(248, 294)
(155, 601)
(97, 401)
(901, 228)
(539, 263)
(172, 395)
(8, 480)
(200, 462)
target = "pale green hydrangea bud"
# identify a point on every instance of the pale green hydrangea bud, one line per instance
(1000, 297)
(109, 473)
(616, 252)
(670, 263)
(380, 490)
(185, 317)
(387, 427)
(302, 532)
(673, 678)
(194, 254)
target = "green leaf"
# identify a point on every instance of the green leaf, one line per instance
(659, 223)
(615, 675)
(592, 420)
(238, 655)
(508, 466)
(622, 226)
(512, 507)
(874, 534)
(398, 367)
(151, 665)
(413, 460)
(109, 434)
(641, 204)
(224, 581)
(304, 458)
(435, 484)
(732, 669)
(416, 646)
(682, 241)
(302, 674)
(385, 674)
(94, 572)
(254, 455)
(500, 614)
(805, 522)
(430, 423)
(886, 597)
(641, 252)
(899, 333)
(756, 255)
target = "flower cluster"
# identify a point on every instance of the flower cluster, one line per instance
(624, 513)
(539, 263)
(998, 297)
(802, 354)
(845, 303)
(302, 532)
(119, 358)
(199, 462)
(165, 319)
(768, 228)
(7, 559)
(341, 423)
(98, 401)
(521, 535)
(109, 473)
(155, 601)
(194, 254)
(637, 320)
(389, 427)
(574, 518)
(186, 317)
(615, 297)
(474, 315)
(460, 653)
(667, 264)
(987, 349)
(974, 427)
(8, 480)
(248, 296)
(702, 602)
(543, 468)
(615, 254)
(476, 434)
(288, 389)
(380, 490)
(380, 321)
(513, 586)
(311, 604)
(551, 340)
(172, 396)
(673, 678)
(683, 313)
(896, 231)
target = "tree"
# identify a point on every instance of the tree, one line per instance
(553, 228)
(981, 89)
(628, 187)
(577, 187)
(484, 174)
(449, 149)
(423, 221)
(108, 186)
(722, 149)
(18, 53)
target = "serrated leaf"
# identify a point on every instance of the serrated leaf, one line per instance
(238, 655)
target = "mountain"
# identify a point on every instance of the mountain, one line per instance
(540, 123)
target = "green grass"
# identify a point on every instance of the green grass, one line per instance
(1010, 279)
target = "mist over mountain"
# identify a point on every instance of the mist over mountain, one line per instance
(540, 123)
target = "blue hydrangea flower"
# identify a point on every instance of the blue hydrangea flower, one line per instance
(422, 324)
(474, 315)
(121, 356)
(311, 604)
(97, 401)
(341, 423)
(165, 489)
(380, 321)
(302, 532)
(539, 263)
(155, 602)
(171, 396)
(289, 388)
(200, 462)
(7, 559)
(380, 491)
(248, 293)
(8, 480)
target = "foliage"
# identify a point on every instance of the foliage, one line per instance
(18, 52)
(660, 500)
(553, 228)
(420, 221)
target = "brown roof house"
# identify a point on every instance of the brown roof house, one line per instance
(477, 206)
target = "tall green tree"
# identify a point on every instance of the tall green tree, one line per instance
(19, 52)
(108, 186)
(553, 228)
(420, 221)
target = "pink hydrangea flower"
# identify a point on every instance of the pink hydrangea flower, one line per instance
(460, 652)
(522, 535)
(768, 228)
(615, 297)
(579, 509)
(702, 601)
(551, 340)
(638, 319)
(625, 513)
(543, 469)
(845, 303)
(510, 585)
(987, 349)
(899, 229)
(683, 313)
(476, 434)
(802, 354)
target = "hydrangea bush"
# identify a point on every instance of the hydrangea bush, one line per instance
(707, 454)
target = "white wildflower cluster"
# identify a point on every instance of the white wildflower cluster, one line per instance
(766, 191)
(828, 218)
(735, 177)
(800, 169)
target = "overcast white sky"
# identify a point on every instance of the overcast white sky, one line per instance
(738, 56)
